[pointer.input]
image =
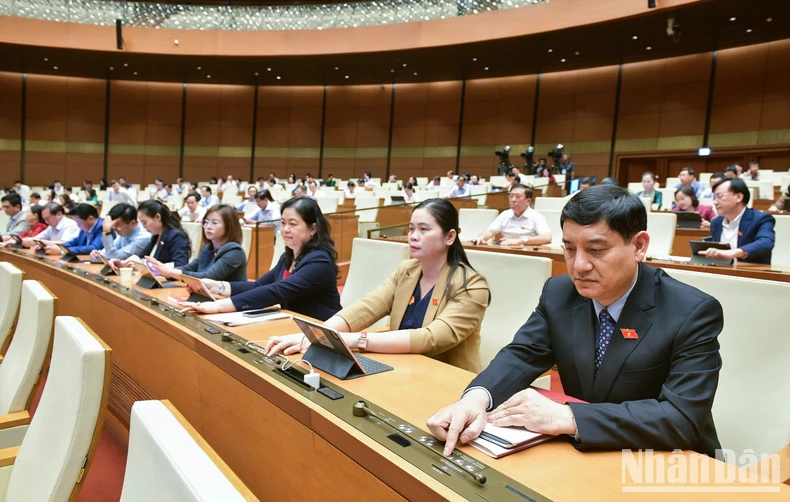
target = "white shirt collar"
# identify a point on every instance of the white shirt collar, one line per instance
(735, 221)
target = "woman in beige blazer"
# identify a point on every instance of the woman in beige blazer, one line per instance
(436, 300)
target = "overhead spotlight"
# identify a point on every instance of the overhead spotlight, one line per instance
(392, 70)
(732, 19)
(703, 152)
(474, 59)
(337, 67)
(111, 68)
(175, 42)
(268, 69)
(135, 73)
(486, 68)
(648, 48)
(404, 65)
(278, 77)
(46, 59)
(634, 37)
(562, 60)
(126, 64)
(748, 30)
(577, 53)
(256, 73)
(769, 20)
(199, 68)
(346, 76)
(208, 76)
(415, 73)
(55, 68)
(551, 50)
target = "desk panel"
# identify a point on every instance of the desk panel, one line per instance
(287, 443)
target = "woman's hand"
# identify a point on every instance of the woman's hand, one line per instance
(286, 345)
(202, 307)
(159, 268)
(212, 285)
(705, 225)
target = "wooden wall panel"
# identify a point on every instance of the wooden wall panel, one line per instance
(145, 131)
(288, 137)
(10, 127)
(45, 126)
(85, 116)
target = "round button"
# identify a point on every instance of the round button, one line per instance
(405, 428)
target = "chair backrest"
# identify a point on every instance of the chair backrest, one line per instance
(59, 444)
(667, 198)
(4, 219)
(553, 219)
(250, 210)
(175, 202)
(106, 206)
(672, 182)
(704, 178)
(474, 222)
(661, 227)
(426, 194)
(515, 282)
(367, 208)
(372, 261)
(194, 230)
(635, 187)
(422, 181)
(748, 413)
(327, 204)
(279, 249)
(549, 203)
(25, 357)
(706, 201)
(781, 252)
(10, 292)
(168, 460)
(246, 239)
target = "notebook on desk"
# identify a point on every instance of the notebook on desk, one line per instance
(500, 442)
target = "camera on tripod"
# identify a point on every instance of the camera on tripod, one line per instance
(556, 154)
(529, 159)
(504, 160)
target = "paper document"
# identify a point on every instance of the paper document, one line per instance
(518, 436)
(239, 319)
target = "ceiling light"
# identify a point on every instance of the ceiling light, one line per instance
(648, 48)
(126, 64)
(474, 59)
(415, 73)
(46, 59)
(346, 76)
(392, 70)
(54, 67)
(278, 77)
(256, 73)
(208, 76)
(634, 37)
(732, 19)
(562, 60)
(577, 53)
(199, 68)
(551, 50)
(769, 20)
(111, 68)
(404, 65)
(749, 30)
(135, 73)
(268, 69)
(486, 68)
(337, 67)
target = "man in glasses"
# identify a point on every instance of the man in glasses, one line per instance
(122, 236)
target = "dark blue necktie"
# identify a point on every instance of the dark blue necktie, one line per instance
(605, 330)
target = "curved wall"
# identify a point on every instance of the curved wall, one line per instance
(551, 16)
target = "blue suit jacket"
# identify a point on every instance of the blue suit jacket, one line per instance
(85, 243)
(173, 247)
(311, 289)
(755, 235)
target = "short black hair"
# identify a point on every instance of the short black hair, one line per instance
(610, 181)
(264, 194)
(586, 181)
(84, 211)
(126, 212)
(13, 199)
(688, 170)
(527, 190)
(54, 208)
(754, 164)
(731, 169)
(206, 187)
(619, 208)
(737, 185)
(717, 176)
(195, 195)
(67, 187)
(36, 195)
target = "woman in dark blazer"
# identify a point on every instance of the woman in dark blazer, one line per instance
(222, 257)
(169, 243)
(304, 280)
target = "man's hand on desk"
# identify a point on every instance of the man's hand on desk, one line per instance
(723, 254)
(202, 307)
(52, 249)
(286, 345)
(535, 412)
(463, 420)
(512, 242)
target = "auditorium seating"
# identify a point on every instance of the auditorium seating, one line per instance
(667, 198)
(751, 409)
(169, 461)
(279, 249)
(327, 204)
(781, 252)
(10, 291)
(58, 448)
(23, 363)
(515, 282)
(474, 222)
(553, 219)
(246, 239)
(4, 219)
(661, 227)
(550, 203)
(194, 231)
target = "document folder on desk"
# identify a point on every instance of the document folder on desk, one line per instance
(499, 442)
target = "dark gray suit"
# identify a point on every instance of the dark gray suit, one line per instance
(652, 392)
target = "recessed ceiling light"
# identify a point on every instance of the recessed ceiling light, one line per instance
(749, 30)
(474, 59)
(732, 19)
(562, 60)
(256, 73)
(346, 76)
(208, 76)
(551, 50)
(337, 67)
(268, 69)
(54, 67)
(577, 53)
(126, 64)
(111, 68)
(200, 68)
(392, 70)
(415, 73)
(278, 77)
(135, 73)
(769, 20)
(486, 68)
(648, 48)
(404, 65)
(46, 59)
(634, 37)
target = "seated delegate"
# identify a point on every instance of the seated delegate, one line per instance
(639, 346)
(59, 228)
(268, 212)
(222, 257)
(436, 300)
(35, 222)
(305, 278)
(192, 210)
(12, 207)
(750, 233)
(122, 235)
(686, 200)
(168, 243)
(89, 238)
(520, 225)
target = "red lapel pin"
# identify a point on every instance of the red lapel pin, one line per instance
(436, 301)
(629, 333)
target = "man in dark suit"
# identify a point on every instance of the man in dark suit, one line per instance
(640, 347)
(750, 233)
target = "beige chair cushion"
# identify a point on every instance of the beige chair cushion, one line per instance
(661, 227)
(60, 434)
(166, 464)
(25, 357)
(371, 263)
(10, 292)
(474, 222)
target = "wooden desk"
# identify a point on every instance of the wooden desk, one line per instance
(344, 227)
(681, 247)
(282, 441)
(261, 251)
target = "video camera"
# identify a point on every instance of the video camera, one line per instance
(529, 158)
(504, 160)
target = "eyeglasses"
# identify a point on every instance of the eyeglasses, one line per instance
(721, 195)
(212, 223)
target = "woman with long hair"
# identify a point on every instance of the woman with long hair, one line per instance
(66, 202)
(436, 300)
(169, 243)
(303, 281)
(222, 258)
